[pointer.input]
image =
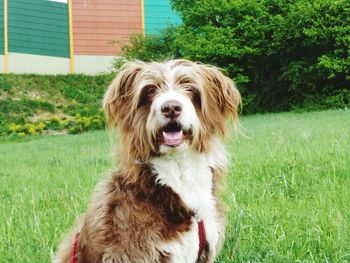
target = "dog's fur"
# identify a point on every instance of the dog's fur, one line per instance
(148, 210)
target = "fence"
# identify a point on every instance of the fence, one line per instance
(82, 36)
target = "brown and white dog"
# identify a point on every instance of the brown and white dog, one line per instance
(162, 204)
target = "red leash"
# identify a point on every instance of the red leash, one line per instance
(73, 255)
(201, 236)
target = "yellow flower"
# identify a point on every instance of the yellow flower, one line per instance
(41, 126)
(54, 118)
(13, 127)
(21, 134)
(31, 131)
(29, 126)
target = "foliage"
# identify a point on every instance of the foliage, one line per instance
(5, 86)
(62, 103)
(73, 125)
(156, 47)
(17, 111)
(82, 124)
(279, 52)
(27, 128)
(82, 88)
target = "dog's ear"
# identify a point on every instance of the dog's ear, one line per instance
(223, 98)
(118, 98)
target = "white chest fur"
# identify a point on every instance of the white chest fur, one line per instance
(189, 174)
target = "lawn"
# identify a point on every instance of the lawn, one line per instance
(288, 190)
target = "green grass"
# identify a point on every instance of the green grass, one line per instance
(288, 189)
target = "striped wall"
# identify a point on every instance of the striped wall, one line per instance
(159, 15)
(100, 27)
(40, 39)
(38, 27)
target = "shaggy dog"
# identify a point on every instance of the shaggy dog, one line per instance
(162, 204)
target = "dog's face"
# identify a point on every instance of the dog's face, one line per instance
(165, 107)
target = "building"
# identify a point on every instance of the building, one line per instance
(74, 36)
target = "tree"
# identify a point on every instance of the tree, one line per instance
(280, 53)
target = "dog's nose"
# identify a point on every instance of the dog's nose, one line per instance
(171, 109)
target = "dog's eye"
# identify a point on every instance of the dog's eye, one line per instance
(147, 94)
(192, 90)
(151, 90)
(195, 94)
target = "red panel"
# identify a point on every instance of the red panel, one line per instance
(104, 2)
(99, 23)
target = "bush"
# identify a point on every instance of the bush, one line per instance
(156, 47)
(5, 85)
(83, 110)
(69, 103)
(82, 88)
(17, 111)
(27, 128)
(74, 125)
(35, 104)
(279, 52)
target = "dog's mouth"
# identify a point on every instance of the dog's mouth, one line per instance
(173, 134)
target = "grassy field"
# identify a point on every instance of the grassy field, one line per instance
(288, 189)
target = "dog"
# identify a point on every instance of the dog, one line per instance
(162, 204)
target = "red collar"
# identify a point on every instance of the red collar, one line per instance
(73, 255)
(201, 236)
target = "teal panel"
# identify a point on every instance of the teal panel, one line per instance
(159, 15)
(1, 27)
(38, 27)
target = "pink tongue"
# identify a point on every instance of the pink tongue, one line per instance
(172, 138)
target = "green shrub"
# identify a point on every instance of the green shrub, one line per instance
(74, 125)
(82, 88)
(58, 101)
(19, 111)
(53, 123)
(5, 85)
(279, 52)
(156, 47)
(82, 124)
(24, 106)
(83, 110)
(27, 128)
(340, 99)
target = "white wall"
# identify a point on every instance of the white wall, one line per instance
(37, 64)
(1, 63)
(26, 63)
(92, 64)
